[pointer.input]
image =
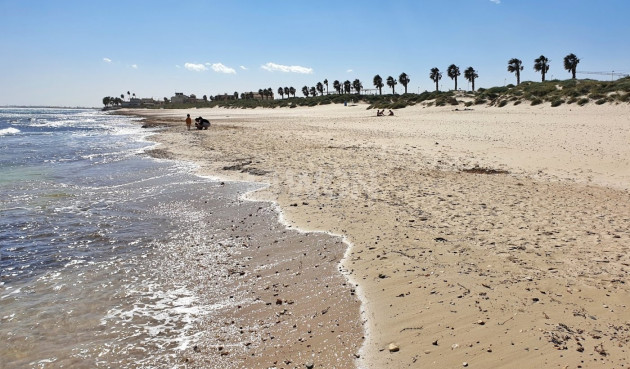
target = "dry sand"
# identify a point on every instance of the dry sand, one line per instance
(491, 238)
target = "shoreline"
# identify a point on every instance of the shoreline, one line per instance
(509, 246)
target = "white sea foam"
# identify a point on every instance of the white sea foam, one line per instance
(9, 131)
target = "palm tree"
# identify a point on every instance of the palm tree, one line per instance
(404, 80)
(313, 91)
(391, 82)
(292, 91)
(515, 66)
(326, 83)
(570, 63)
(122, 96)
(305, 91)
(435, 76)
(453, 73)
(346, 87)
(320, 88)
(107, 100)
(541, 65)
(337, 86)
(470, 74)
(281, 92)
(134, 95)
(286, 91)
(357, 86)
(378, 83)
(129, 95)
(260, 92)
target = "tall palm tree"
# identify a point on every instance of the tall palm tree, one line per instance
(453, 73)
(404, 80)
(326, 83)
(570, 63)
(313, 91)
(346, 86)
(134, 95)
(391, 82)
(129, 95)
(541, 65)
(337, 86)
(471, 74)
(281, 92)
(357, 86)
(292, 91)
(122, 96)
(286, 91)
(320, 88)
(435, 76)
(378, 83)
(515, 66)
(305, 91)
(261, 93)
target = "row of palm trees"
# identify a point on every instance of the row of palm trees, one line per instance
(541, 64)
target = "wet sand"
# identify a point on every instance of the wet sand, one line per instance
(496, 237)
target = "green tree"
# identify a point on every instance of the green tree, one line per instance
(471, 74)
(541, 64)
(326, 83)
(313, 91)
(346, 86)
(287, 91)
(292, 91)
(453, 73)
(281, 92)
(435, 76)
(378, 83)
(515, 66)
(404, 80)
(337, 86)
(305, 91)
(261, 93)
(107, 100)
(570, 63)
(129, 95)
(391, 82)
(320, 88)
(357, 86)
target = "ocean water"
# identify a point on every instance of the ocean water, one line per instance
(92, 272)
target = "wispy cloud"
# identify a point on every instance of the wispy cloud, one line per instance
(243, 67)
(273, 67)
(349, 71)
(496, 1)
(134, 66)
(107, 60)
(195, 67)
(220, 68)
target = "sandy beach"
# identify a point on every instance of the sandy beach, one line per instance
(483, 238)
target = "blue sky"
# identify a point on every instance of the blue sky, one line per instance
(73, 53)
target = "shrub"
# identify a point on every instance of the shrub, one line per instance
(583, 101)
(502, 103)
(536, 102)
(557, 103)
(517, 102)
(601, 101)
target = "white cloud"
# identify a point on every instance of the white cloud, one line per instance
(272, 67)
(107, 60)
(496, 1)
(243, 67)
(134, 66)
(220, 68)
(195, 67)
(349, 71)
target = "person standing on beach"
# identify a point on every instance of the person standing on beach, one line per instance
(188, 121)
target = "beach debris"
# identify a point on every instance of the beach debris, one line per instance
(393, 347)
(434, 343)
(481, 322)
(465, 364)
(309, 365)
(440, 239)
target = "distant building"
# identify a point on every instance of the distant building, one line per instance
(180, 98)
(135, 102)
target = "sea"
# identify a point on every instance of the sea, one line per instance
(94, 234)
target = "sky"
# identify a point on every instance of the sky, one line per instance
(74, 53)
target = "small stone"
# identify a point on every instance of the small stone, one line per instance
(464, 364)
(309, 365)
(393, 348)
(435, 343)
(481, 322)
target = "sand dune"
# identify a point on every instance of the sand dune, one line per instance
(496, 237)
